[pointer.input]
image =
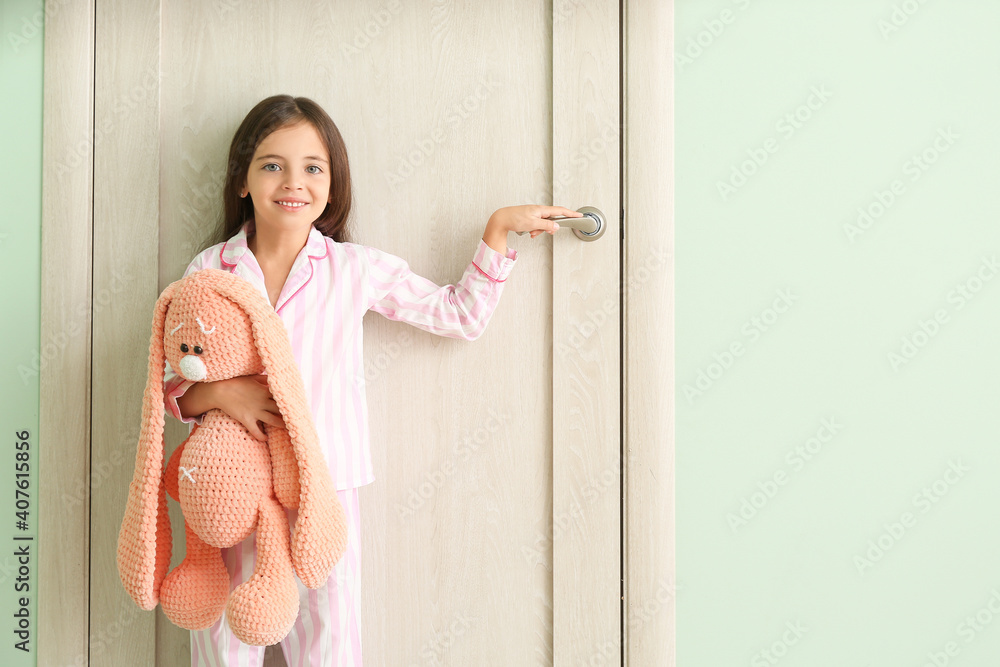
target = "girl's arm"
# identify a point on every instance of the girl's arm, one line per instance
(196, 401)
(176, 387)
(534, 219)
(461, 310)
(247, 399)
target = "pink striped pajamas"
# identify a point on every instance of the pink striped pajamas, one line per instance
(328, 290)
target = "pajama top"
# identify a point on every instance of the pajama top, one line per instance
(329, 289)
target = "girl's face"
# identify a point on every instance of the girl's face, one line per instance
(289, 178)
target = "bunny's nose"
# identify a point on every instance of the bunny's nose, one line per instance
(193, 368)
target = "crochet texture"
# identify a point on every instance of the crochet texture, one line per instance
(227, 482)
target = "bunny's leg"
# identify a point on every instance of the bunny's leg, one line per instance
(194, 594)
(263, 609)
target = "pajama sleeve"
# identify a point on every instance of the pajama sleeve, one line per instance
(461, 310)
(174, 386)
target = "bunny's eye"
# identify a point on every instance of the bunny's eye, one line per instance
(197, 349)
(184, 348)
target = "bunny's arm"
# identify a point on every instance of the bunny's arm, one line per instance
(461, 310)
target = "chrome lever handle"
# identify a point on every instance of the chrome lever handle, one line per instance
(588, 227)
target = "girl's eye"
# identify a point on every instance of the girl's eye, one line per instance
(318, 170)
(270, 164)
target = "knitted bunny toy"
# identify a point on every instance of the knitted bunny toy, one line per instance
(212, 325)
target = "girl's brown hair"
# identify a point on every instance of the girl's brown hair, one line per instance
(267, 116)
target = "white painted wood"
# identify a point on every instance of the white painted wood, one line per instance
(455, 100)
(64, 415)
(649, 343)
(586, 337)
(126, 229)
(452, 571)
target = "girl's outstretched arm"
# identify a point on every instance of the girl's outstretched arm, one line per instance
(460, 310)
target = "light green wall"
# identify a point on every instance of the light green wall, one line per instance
(876, 346)
(21, 23)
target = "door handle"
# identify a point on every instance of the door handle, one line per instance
(589, 227)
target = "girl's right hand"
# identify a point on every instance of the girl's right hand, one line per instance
(247, 399)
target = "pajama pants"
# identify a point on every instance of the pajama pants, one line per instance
(327, 632)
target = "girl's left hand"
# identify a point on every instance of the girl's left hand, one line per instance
(532, 218)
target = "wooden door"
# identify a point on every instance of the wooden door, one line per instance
(492, 534)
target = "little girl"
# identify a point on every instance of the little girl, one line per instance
(286, 200)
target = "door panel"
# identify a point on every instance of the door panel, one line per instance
(587, 307)
(449, 112)
(126, 161)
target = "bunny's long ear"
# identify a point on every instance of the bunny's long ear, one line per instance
(144, 542)
(320, 536)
